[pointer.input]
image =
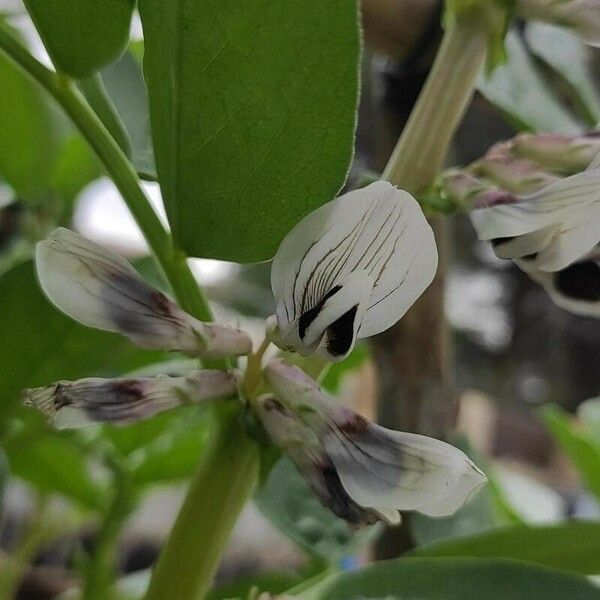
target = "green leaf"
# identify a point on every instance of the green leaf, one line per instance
(455, 579)
(570, 58)
(163, 448)
(53, 463)
(82, 36)
(584, 455)
(571, 546)
(125, 85)
(252, 106)
(4, 473)
(40, 345)
(518, 89)
(286, 499)
(28, 132)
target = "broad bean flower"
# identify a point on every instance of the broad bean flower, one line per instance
(536, 199)
(349, 270)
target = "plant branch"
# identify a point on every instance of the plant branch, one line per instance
(423, 145)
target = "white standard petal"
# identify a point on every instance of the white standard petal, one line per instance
(571, 205)
(93, 400)
(98, 288)
(358, 262)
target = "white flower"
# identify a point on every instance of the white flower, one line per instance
(553, 227)
(351, 269)
(575, 288)
(126, 400)
(98, 288)
(360, 464)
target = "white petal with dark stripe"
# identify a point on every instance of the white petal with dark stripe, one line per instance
(351, 269)
(379, 469)
(99, 288)
(71, 404)
(559, 223)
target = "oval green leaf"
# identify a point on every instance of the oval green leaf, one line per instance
(455, 579)
(572, 546)
(82, 35)
(252, 105)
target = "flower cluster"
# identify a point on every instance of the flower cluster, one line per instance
(349, 270)
(536, 199)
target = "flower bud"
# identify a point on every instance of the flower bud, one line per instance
(93, 400)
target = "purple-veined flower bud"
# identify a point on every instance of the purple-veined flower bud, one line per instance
(462, 188)
(100, 289)
(581, 16)
(94, 400)
(351, 269)
(562, 154)
(379, 469)
(514, 175)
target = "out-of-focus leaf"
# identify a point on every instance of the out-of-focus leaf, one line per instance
(589, 413)
(273, 583)
(288, 502)
(519, 90)
(52, 463)
(82, 36)
(454, 579)
(40, 345)
(569, 57)
(248, 101)
(165, 447)
(584, 455)
(28, 132)
(124, 83)
(4, 472)
(95, 93)
(572, 546)
(76, 167)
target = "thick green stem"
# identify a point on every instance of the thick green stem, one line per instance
(423, 145)
(218, 492)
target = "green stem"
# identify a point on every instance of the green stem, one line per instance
(101, 569)
(218, 492)
(423, 145)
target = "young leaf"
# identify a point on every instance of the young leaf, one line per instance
(572, 546)
(82, 35)
(518, 89)
(569, 57)
(252, 106)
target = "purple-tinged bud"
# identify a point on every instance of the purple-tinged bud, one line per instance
(462, 188)
(94, 400)
(564, 154)
(516, 175)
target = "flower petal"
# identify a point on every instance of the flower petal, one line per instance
(289, 433)
(96, 400)
(374, 241)
(98, 288)
(524, 245)
(379, 468)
